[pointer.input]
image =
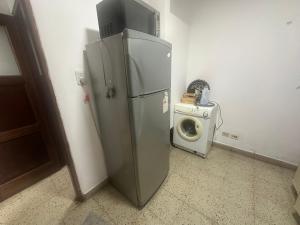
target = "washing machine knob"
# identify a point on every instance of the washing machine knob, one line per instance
(205, 114)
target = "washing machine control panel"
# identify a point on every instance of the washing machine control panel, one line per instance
(192, 110)
(200, 111)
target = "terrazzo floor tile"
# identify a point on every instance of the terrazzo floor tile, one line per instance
(288, 176)
(115, 205)
(165, 206)
(39, 193)
(219, 156)
(273, 213)
(78, 213)
(207, 197)
(224, 189)
(217, 165)
(280, 195)
(259, 221)
(177, 160)
(178, 186)
(51, 212)
(27, 201)
(144, 217)
(11, 209)
(270, 173)
(238, 207)
(189, 216)
(240, 168)
(62, 180)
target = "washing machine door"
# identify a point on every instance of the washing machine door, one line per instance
(190, 128)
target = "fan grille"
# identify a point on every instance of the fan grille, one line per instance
(197, 85)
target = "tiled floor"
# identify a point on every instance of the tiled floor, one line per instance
(226, 188)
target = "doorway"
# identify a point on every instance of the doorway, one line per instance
(32, 140)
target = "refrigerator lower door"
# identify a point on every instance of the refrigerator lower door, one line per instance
(151, 124)
(148, 62)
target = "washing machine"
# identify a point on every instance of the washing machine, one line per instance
(194, 127)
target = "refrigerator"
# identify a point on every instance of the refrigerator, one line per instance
(130, 76)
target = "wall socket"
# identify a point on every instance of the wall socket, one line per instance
(225, 134)
(80, 78)
(229, 135)
(234, 136)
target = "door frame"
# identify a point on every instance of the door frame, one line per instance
(23, 14)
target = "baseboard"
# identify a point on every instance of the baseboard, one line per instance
(257, 156)
(94, 190)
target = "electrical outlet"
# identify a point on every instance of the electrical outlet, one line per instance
(80, 78)
(225, 134)
(234, 136)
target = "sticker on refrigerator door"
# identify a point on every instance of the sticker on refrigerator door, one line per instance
(166, 103)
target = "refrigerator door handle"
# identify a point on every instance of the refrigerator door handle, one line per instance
(141, 116)
(102, 51)
(110, 90)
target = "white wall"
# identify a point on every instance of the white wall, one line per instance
(177, 33)
(174, 29)
(8, 65)
(249, 52)
(10, 4)
(65, 28)
(6, 6)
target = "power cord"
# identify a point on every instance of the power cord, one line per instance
(220, 118)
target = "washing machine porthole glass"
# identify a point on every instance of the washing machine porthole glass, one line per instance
(188, 127)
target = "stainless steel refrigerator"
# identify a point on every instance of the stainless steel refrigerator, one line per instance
(131, 77)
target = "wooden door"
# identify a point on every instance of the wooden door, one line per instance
(30, 145)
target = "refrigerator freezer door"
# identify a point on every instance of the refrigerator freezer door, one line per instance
(151, 125)
(148, 64)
